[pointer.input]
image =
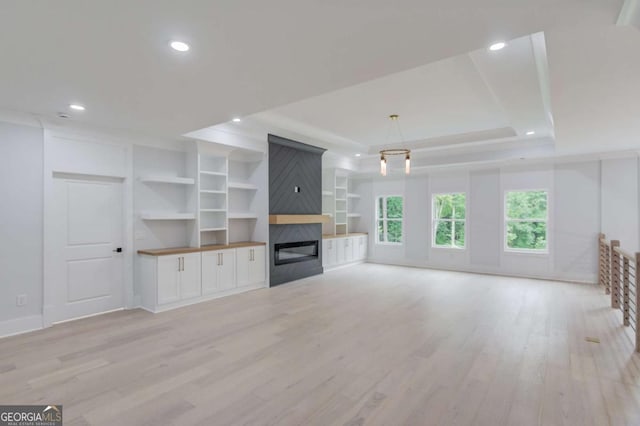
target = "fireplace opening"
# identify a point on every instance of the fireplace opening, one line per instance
(296, 252)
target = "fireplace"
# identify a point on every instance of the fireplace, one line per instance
(301, 251)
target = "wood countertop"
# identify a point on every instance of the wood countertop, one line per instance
(352, 234)
(185, 250)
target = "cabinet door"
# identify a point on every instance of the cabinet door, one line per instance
(243, 260)
(348, 249)
(364, 244)
(227, 270)
(210, 261)
(330, 259)
(257, 269)
(168, 277)
(190, 277)
(325, 253)
(340, 250)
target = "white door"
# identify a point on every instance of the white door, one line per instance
(227, 270)
(190, 276)
(348, 249)
(210, 261)
(340, 248)
(169, 278)
(333, 255)
(257, 271)
(87, 219)
(243, 260)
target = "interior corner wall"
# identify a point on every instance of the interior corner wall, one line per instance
(21, 227)
(619, 203)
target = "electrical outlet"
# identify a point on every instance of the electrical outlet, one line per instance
(21, 300)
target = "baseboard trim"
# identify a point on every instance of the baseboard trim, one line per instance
(480, 271)
(21, 325)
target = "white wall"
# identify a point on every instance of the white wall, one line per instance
(21, 158)
(620, 202)
(574, 220)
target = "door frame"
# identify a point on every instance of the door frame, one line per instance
(81, 157)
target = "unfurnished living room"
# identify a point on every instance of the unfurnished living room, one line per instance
(299, 212)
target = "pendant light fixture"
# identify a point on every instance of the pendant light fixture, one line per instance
(396, 151)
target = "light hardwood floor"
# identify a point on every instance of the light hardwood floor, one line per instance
(369, 344)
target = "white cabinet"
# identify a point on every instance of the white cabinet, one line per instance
(251, 265)
(168, 273)
(360, 247)
(348, 249)
(178, 277)
(218, 270)
(341, 250)
(329, 249)
(172, 280)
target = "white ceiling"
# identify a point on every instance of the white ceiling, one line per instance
(474, 97)
(253, 56)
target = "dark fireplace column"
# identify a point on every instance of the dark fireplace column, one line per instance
(295, 187)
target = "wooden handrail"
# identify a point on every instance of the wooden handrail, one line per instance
(625, 254)
(615, 275)
(618, 273)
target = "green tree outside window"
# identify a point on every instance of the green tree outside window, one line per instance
(449, 220)
(526, 215)
(389, 219)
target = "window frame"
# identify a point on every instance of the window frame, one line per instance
(433, 221)
(384, 220)
(506, 220)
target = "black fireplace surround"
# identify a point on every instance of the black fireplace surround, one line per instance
(295, 187)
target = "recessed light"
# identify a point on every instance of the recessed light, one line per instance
(497, 46)
(530, 133)
(236, 120)
(180, 46)
(77, 107)
(357, 155)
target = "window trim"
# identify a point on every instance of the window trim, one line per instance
(433, 220)
(385, 219)
(506, 220)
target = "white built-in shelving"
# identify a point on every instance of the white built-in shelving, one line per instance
(340, 202)
(242, 215)
(168, 179)
(166, 216)
(243, 186)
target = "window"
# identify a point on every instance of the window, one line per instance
(449, 217)
(389, 220)
(526, 216)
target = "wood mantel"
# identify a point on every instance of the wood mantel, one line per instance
(296, 219)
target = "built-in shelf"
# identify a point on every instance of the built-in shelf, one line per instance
(353, 195)
(244, 215)
(212, 191)
(341, 211)
(212, 229)
(353, 215)
(204, 172)
(328, 214)
(166, 216)
(327, 193)
(242, 185)
(340, 223)
(341, 187)
(168, 179)
(213, 210)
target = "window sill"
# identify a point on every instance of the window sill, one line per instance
(534, 253)
(459, 249)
